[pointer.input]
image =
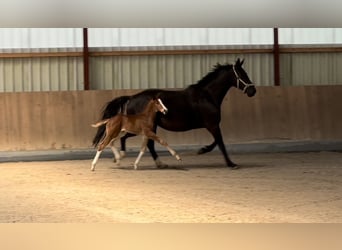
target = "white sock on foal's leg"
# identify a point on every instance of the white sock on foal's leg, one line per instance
(117, 155)
(173, 153)
(142, 151)
(138, 159)
(96, 158)
(122, 153)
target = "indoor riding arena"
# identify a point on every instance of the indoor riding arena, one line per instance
(286, 139)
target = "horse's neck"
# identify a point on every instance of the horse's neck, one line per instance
(219, 87)
(149, 111)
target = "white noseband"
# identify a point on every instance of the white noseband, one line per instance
(238, 79)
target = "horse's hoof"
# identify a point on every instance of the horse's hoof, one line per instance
(234, 166)
(160, 164)
(117, 159)
(122, 154)
(201, 151)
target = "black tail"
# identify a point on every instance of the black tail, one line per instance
(111, 109)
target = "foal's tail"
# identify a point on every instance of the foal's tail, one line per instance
(100, 123)
(111, 109)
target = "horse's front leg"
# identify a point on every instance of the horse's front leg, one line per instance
(216, 132)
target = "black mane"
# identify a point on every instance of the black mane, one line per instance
(212, 74)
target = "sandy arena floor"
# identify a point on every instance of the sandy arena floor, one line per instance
(284, 187)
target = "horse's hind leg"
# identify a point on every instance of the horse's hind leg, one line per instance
(207, 148)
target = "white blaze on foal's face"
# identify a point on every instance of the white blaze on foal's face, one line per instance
(164, 109)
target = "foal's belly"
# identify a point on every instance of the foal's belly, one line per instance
(130, 130)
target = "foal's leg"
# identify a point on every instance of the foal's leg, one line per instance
(150, 146)
(123, 144)
(100, 148)
(117, 156)
(153, 136)
(116, 153)
(141, 153)
(96, 158)
(156, 158)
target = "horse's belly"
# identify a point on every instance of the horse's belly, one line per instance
(178, 126)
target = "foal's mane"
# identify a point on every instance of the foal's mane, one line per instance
(212, 74)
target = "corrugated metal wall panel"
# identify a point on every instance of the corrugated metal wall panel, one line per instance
(311, 69)
(161, 71)
(170, 71)
(41, 74)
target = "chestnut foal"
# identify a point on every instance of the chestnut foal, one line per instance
(139, 124)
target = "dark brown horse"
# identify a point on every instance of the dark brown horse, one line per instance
(197, 106)
(139, 124)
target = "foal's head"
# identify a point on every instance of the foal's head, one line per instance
(159, 105)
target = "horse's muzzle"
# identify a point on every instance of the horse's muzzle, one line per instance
(250, 91)
(164, 111)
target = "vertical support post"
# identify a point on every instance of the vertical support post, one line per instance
(85, 59)
(276, 57)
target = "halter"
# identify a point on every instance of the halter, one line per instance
(238, 79)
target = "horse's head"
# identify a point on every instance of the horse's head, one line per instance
(242, 80)
(160, 105)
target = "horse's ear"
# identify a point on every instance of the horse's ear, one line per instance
(239, 62)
